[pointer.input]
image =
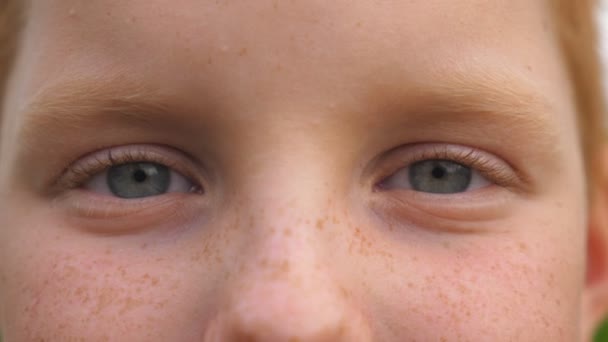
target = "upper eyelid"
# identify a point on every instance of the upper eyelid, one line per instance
(492, 167)
(88, 166)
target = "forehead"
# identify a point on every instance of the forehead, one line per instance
(307, 40)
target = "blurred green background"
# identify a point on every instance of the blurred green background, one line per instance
(600, 336)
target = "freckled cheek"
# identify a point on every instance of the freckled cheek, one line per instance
(93, 295)
(471, 290)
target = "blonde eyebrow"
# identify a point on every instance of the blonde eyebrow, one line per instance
(74, 102)
(506, 102)
(512, 95)
(506, 98)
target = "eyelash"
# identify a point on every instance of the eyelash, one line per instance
(490, 167)
(77, 174)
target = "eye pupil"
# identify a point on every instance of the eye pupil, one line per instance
(140, 176)
(438, 172)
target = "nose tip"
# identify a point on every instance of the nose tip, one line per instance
(276, 314)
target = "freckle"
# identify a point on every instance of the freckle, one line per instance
(446, 244)
(243, 52)
(144, 245)
(285, 266)
(522, 247)
(551, 281)
(287, 232)
(344, 292)
(320, 224)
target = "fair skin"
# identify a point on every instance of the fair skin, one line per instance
(292, 129)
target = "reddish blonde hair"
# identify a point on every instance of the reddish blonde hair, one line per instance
(577, 29)
(10, 20)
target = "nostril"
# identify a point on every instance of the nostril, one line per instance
(275, 333)
(289, 321)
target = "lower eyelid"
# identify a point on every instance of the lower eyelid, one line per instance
(461, 212)
(110, 215)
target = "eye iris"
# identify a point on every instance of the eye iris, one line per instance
(439, 176)
(136, 180)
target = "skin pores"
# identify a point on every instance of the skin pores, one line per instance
(291, 129)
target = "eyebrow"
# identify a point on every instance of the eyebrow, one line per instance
(80, 102)
(507, 99)
(510, 103)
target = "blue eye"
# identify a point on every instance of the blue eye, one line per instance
(135, 180)
(439, 176)
(138, 180)
(436, 176)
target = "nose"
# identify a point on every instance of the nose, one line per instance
(277, 313)
(286, 293)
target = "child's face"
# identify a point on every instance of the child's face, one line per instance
(291, 171)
